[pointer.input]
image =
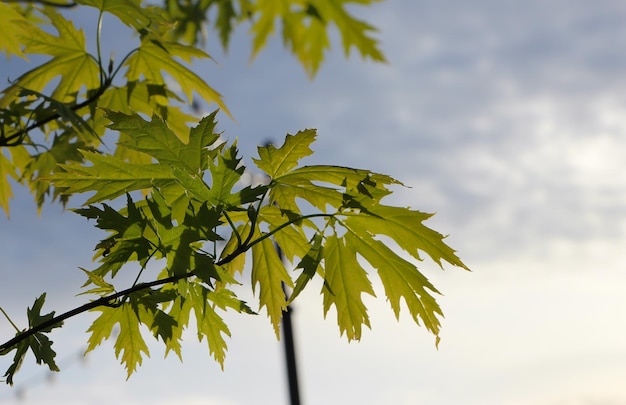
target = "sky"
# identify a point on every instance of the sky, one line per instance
(507, 119)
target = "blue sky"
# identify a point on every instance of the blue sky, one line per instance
(507, 119)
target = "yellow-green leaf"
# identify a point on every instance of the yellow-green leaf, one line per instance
(129, 344)
(291, 239)
(209, 323)
(345, 282)
(70, 61)
(12, 29)
(6, 170)
(276, 162)
(269, 272)
(129, 12)
(405, 227)
(152, 57)
(354, 32)
(401, 279)
(109, 177)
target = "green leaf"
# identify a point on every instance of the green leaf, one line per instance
(309, 264)
(345, 281)
(109, 177)
(209, 323)
(237, 264)
(130, 12)
(137, 97)
(12, 29)
(146, 305)
(180, 310)
(103, 288)
(129, 344)
(354, 32)
(405, 227)
(276, 162)
(291, 239)
(323, 186)
(157, 140)
(38, 343)
(20, 352)
(63, 110)
(70, 61)
(6, 170)
(269, 272)
(226, 171)
(305, 27)
(401, 279)
(154, 55)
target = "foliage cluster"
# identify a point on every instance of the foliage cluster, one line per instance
(187, 209)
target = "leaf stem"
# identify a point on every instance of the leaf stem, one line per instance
(98, 31)
(232, 225)
(10, 321)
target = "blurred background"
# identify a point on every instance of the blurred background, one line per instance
(506, 118)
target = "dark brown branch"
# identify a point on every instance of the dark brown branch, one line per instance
(104, 301)
(107, 301)
(45, 3)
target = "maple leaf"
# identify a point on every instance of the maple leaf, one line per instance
(138, 97)
(156, 139)
(309, 264)
(70, 60)
(269, 272)
(292, 239)
(405, 227)
(323, 186)
(11, 30)
(130, 12)
(305, 29)
(6, 170)
(209, 323)
(155, 55)
(109, 177)
(345, 281)
(276, 162)
(354, 32)
(38, 343)
(129, 344)
(401, 279)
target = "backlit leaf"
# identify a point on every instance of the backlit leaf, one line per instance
(276, 162)
(345, 282)
(269, 272)
(405, 227)
(401, 279)
(129, 344)
(12, 29)
(152, 57)
(6, 171)
(70, 61)
(109, 177)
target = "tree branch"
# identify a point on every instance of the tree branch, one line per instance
(106, 301)
(45, 3)
(86, 307)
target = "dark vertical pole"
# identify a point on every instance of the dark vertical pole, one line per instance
(290, 352)
(290, 356)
